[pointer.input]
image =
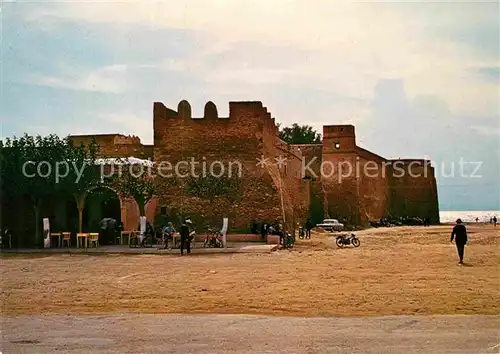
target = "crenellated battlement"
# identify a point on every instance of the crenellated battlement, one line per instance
(237, 110)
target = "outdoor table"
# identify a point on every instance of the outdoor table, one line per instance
(80, 236)
(58, 235)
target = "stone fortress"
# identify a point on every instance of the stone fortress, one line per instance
(334, 179)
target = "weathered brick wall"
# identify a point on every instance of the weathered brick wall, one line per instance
(371, 188)
(117, 145)
(130, 213)
(340, 187)
(413, 190)
(311, 165)
(373, 191)
(247, 134)
(296, 190)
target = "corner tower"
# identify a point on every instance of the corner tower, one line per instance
(339, 139)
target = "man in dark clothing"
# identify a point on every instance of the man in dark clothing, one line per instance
(460, 234)
(263, 231)
(308, 226)
(185, 241)
(494, 221)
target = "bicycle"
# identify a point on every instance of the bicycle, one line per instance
(213, 239)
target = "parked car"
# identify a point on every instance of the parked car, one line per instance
(331, 225)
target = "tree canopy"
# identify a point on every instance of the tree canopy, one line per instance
(299, 134)
(135, 181)
(41, 167)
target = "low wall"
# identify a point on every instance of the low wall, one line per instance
(235, 237)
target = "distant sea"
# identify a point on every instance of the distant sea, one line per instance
(468, 216)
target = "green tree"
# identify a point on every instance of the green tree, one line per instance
(81, 173)
(28, 169)
(297, 134)
(135, 181)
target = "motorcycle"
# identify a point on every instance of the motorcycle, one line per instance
(345, 240)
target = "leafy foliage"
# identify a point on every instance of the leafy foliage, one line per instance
(83, 173)
(27, 163)
(31, 166)
(211, 187)
(297, 134)
(137, 182)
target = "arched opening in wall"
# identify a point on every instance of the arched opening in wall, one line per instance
(101, 203)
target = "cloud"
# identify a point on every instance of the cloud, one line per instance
(486, 130)
(404, 126)
(348, 46)
(491, 74)
(140, 125)
(110, 79)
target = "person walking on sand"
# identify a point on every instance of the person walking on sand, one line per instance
(460, 234)
(308, 227)
(185, 241)
(495, 221)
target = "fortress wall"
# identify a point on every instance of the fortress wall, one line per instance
(312, 158)
(373, 191)
(248, 133)
(340, 188)
(177, 135)
(296, 191)
(413, 190)
(116, 145)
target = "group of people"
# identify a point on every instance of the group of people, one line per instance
(493, 221)
(271, 229)
(186, 233)
(306, 229)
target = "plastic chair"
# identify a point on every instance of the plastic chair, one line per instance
(93, 239)
(66, 236)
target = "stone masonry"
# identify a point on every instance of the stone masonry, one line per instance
(341, 179)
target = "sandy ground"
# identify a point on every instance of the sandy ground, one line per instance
(250, 334)
(396, 271)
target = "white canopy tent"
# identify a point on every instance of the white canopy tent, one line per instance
(124, 161)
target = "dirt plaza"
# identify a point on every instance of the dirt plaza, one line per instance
(395, 271)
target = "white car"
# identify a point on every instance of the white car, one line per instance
(331, 225)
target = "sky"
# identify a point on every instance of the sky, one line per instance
(417, 79)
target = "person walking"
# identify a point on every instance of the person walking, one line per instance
(495, 221)
(459, 233)
(308, 227)
(185, 241)
(263, 231)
